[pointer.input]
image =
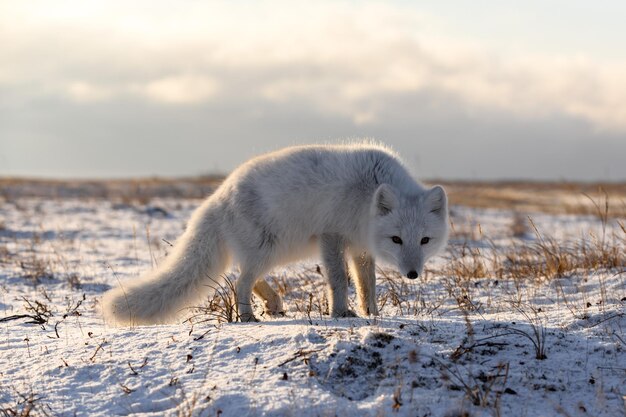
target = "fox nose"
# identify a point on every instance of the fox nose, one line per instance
(412, 274)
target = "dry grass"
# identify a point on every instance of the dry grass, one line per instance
(543, 257)
(221, 306)
(26, 405)
(126, 191)
(545, 197)
(521, 196)
(484, 390)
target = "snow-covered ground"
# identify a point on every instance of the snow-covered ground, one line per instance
(446, 345)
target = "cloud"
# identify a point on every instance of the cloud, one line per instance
(85, 92)
(180, 89)
(336, 58)
(174, 90)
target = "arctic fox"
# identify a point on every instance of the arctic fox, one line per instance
(354, 202)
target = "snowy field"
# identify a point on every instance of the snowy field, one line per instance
(518, 318)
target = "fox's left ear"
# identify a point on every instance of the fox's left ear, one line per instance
(436, 200)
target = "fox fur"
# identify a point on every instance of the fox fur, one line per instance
(353, 204)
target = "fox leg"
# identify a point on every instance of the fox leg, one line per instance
(365, 280)
(273, 302)
(333, 249)
(243, 292)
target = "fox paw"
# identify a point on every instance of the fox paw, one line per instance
(275, 313)
(248, 318)
(371, 311)
(343, 314)
(274, 308)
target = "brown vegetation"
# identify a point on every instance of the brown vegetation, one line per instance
(521, 196)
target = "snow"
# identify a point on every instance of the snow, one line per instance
(428, 354)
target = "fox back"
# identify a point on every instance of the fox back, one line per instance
(361, 191)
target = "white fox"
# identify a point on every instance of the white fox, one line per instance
(355, 202)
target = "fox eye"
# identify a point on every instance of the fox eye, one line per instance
(425, 240)
(396, 240)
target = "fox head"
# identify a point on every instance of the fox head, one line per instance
(406, 230)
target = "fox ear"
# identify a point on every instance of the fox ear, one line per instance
(436, 200)
(385, 199)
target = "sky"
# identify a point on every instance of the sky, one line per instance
(462, 90)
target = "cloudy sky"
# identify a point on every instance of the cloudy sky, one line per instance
(464, 90)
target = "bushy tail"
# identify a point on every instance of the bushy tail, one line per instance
(182, 279)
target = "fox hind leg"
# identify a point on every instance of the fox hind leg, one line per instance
(273, 302)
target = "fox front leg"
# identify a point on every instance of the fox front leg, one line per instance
(333, 249)
(365, 280)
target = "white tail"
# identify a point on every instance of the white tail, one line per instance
(188, 274)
